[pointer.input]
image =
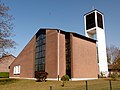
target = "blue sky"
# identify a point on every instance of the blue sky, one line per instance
(31, 15)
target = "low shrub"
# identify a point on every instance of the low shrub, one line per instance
(65, 78)
(114, 76)
(102, 75)
(119, 76)
(4, 74)
(41, 76)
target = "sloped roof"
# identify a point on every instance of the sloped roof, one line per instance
(10, 55)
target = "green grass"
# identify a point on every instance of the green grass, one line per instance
(4, 74)
(19, 84)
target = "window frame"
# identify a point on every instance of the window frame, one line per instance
(17, 70)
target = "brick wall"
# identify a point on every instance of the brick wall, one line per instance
(62, 65)
(5, 62)
(52, 54)
(84, 58)
(26, 60)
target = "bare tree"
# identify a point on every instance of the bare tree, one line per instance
(113, 54)
(6, 27)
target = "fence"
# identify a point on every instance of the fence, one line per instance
(90, 85)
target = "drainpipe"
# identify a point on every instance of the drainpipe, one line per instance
(58, 52)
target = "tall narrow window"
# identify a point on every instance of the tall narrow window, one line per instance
(40, 51)
(90, 21)
(99, 20)
(68, 55)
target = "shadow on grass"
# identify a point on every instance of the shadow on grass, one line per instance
(4, 81)
(111, 79)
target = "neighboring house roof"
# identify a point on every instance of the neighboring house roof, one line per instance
(9, 55)
(5, 62)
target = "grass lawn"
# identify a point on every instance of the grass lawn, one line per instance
(19, 84)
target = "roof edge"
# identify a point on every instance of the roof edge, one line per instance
(75, 34)
(93, 11)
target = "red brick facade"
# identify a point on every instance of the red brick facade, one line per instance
(83, 57)
(26, 60)
(5, 62)
(52, 54)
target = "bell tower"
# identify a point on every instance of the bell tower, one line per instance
(94, 28)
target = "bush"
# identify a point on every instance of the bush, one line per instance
(4, 74)
(119, 76)
(102, 75)
(41, 76)
(65, 78)
(114, 76)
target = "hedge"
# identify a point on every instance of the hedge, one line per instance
(4, 74)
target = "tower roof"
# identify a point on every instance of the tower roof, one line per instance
(93, 11)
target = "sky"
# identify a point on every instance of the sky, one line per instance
(67, 15)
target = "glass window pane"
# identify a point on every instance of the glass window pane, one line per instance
(40, 48)
(37, 49)
(43, 60)
(37, 43)
(36, 61)
(37, 55)
(40, 52)
(43, 47)
(40, 61)
(43, 54)
(41, 42)
(44, 40)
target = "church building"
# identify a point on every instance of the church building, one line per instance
(58, 53)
